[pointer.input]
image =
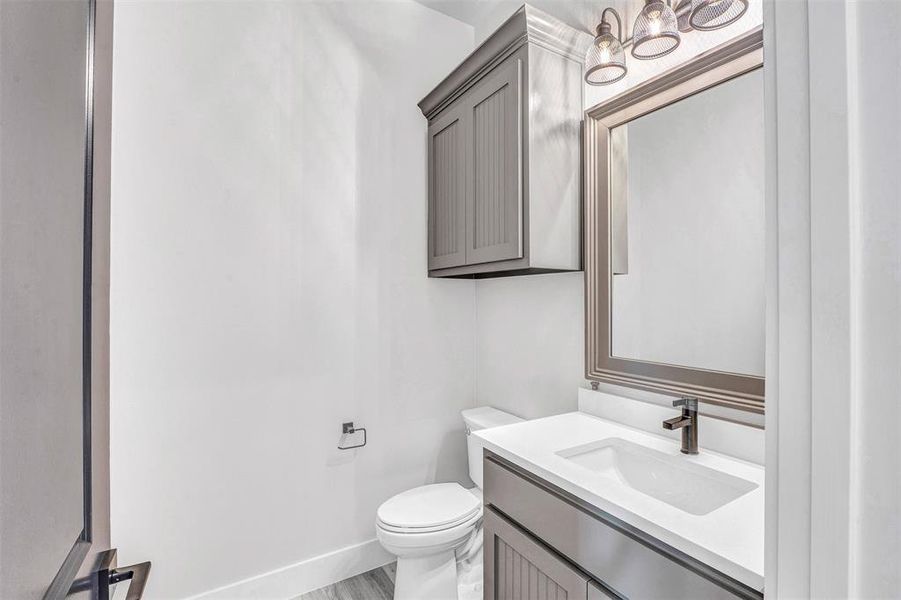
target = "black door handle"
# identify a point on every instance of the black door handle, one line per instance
(107, 575)
(137, 574)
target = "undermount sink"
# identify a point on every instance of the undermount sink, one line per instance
(690, 487)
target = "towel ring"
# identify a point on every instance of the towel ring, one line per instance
(348, 429)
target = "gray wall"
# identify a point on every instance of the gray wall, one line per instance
(42, 118)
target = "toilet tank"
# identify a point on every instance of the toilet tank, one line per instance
(483, 417)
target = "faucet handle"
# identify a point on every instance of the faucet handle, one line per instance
(688, 403)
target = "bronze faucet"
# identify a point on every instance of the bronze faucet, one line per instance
(687, 422)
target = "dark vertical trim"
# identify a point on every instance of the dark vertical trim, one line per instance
(87, 533)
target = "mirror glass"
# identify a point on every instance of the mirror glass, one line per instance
(687, 231)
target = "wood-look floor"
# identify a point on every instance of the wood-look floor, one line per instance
(377, 584)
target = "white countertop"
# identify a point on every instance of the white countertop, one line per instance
(730, 539)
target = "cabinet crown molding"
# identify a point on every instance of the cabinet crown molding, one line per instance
(527, 25)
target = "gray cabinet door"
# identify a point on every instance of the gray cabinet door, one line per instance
(494, 155)
(448, 183)
(519, 568)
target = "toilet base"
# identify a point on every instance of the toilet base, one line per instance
(432, 577)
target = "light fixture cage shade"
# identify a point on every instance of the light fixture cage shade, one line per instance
(656, 31)
(605, 62)
(707, 15)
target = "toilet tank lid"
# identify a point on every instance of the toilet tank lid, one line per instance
(485, 417)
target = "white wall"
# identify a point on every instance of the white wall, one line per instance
(876, 463)
(268, 282)
(529, 343)
(539, 373)
(834, 302)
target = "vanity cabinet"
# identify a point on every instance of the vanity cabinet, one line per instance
(581, 549)
(504, 154)
(523, 568)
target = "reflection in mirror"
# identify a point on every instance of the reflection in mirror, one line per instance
(687, 231)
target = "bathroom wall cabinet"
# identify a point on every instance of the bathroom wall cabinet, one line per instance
(540, 542)
(504, 154)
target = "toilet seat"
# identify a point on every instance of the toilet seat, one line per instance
(428, 508)
(419, 530)
(428, 519)
(409, 543)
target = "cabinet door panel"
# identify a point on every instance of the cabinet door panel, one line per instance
(519, 568)
(447, 189)
(494, 211)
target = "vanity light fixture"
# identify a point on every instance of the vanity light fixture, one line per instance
(606, 59)
(707, 15)
(654, 34)
(656, 31)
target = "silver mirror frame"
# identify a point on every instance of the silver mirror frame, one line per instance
(744, 392)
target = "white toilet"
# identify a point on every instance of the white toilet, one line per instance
(426, 526)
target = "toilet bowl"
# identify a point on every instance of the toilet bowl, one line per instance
(426, 527)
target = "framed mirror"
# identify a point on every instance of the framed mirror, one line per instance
(674, 231)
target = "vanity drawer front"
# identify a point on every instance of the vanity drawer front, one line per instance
(626, 560)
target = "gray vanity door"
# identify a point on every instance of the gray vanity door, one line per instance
(494, 211)
(448, 188)
(519, 568)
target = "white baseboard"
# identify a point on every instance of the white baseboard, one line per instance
(305, 576)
